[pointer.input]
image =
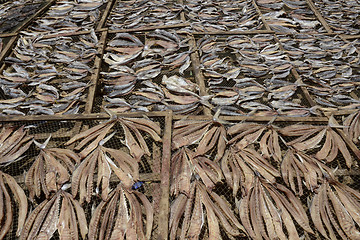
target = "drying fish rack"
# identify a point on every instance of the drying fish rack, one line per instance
(63, 127)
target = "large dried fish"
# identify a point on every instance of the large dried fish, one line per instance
(7, 211)
(13, 143)
(268, 209)
(352, 127)
(50, 170)
(209, 136)
(121, 216)
(334, 210)
(185, 165)
(309, 137)
(61, 213)
(298, 168)
(239, 168)
(200, 208)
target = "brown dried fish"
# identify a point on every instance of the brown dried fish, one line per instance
(60, 213)
(121, 216)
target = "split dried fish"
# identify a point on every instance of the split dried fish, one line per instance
(13, 143)
(6, 208)
(298, 168)
(352, 127)
(334, 210)
(121, 216)
(309, 137)
(61, 213)
(185, 165)
(239, 168)
(50, 170)
(200, 208)
(268, 209)
(208, 135)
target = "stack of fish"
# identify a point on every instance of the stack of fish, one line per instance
(143, 13)
(289, 16)
(13, 13)
(249, 75)
(329, 66)
(342, 16)
(67, 16)
(143, 75)
(48, 76)
(219, 15)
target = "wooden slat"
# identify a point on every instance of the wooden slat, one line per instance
(95, 76)
(105, 14)
(76, 117)
(38, 13)
(235, 32)
(255, 118)
(319, 16)
(145, 177)
(5, 52)
(165, 180)
(261, 16)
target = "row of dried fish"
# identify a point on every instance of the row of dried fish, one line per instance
(342, 16)
(264, 204)
(13, 13)
(208, 16)
(329, 66)
(55, 170)
(142, 13)
(137, 78)
(67, 16)
(48, 76)
(250, 75)
(299, 17)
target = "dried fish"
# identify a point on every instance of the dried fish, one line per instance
(310, 136)
(140, 13)
(200, 208)
(268, 207)
(13, 143)
(7, 210)
(334, 210)
(60, 213)
(50, 170)
(121, 216)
